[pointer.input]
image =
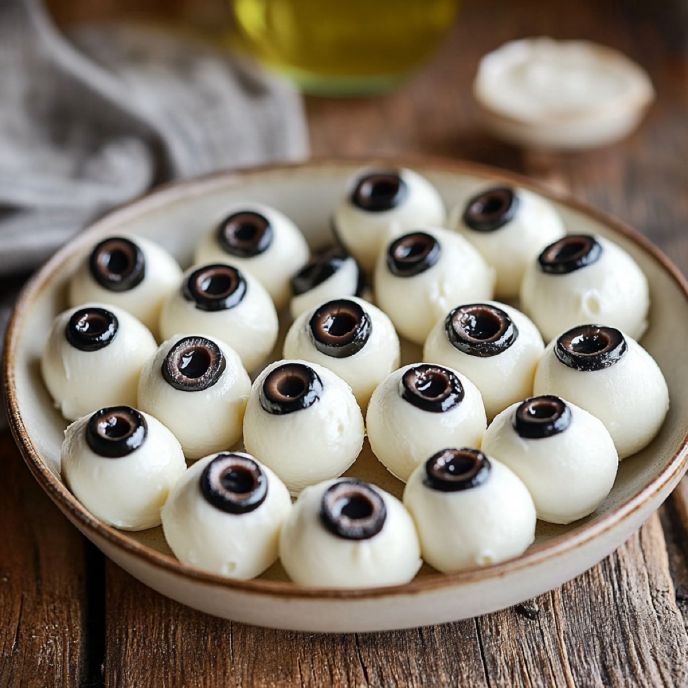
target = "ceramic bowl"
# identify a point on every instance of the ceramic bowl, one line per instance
(175, 216)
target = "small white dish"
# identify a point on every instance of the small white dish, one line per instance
(176, 216)
(566, 95)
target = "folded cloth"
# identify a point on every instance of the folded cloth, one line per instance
(90, 122)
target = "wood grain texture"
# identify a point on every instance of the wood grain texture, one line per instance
(43, 592)
(184, 647)
(623, 623)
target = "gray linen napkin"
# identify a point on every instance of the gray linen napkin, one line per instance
(88, 123)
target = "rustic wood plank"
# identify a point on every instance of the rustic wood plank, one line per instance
(180, 646)
(43, 595)
(616, 625)
(674, 515)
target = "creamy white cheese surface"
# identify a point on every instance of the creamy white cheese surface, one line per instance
(129, 491)
(236, 545)
(273, 267)
(314, 556)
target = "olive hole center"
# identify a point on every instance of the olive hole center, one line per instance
(117, 261)
(459, 466)
(570, 249)
(544, 411)
(92, 324)
(238, 480)
(383, 188)
(411, 251)
(356, 507)
(291, 386)
(217, 284)
(115, 427)
(590, 344)
(340, 324)
(432, 384)
(246, 231)
(194, 363)
(492, 205)
(481, 324)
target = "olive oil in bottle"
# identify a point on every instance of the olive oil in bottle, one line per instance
(343, 47)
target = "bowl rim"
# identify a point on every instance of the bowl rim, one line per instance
(161, 196)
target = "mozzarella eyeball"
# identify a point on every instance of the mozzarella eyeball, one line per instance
(330, 274)
(349, 534)
(563, 454)
(93, 358)
(198, 387)
(581, 279)
(611, 376)
(509, 227)
(494, 345)
(303, 422)
(421, 275)
(260, 240)
(420, 409)
(352, 338)
(382, 204)
(470, 510)
(121, 464)
(221, 301)
(225, 515)
(128, 272)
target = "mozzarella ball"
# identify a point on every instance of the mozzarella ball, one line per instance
(609, 374)
(198, 387)
(563, 454)
(509, 227)
(421, 275)
(494, 345)
(260, 240)
(225, 515)
(349, 336)
(303, 421)
(349, 534)
(131, 273)
(329, 274)
(93, 358)
(221, 301)
(121, 464)
(382, 204)
(420, 409)
(581, 279)
(470, 510)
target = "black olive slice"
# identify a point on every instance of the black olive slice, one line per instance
(193, 364)
(480, 329)
(321, 267)
(290, 387)
(431, 388)
(491, 209)
(541, 416)
(117, 264)
(353, 510)
(234, 483)
(215, 287)
(590, 347)
(116, 431)
(379, 191)
(570, 253)
(245, 234)
(340, 328)
(412, 254)
(452, 470)
(91, 328)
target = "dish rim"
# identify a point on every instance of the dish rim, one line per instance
(165, 193)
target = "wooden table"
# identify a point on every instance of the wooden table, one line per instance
(69, 617)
